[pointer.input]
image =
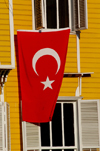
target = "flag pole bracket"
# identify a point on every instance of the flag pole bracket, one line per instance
(75, 75)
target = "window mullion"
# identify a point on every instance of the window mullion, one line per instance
(62, 117)
(57, 7)
(69, 5)
(45, 15)
(79, 125)
(25, 136)
(39, 137)
(50, 133)
(33, 15)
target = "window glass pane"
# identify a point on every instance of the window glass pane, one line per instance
(68, 124)
(63, 14)
(45, 137)
(51, 14)
(57, 126)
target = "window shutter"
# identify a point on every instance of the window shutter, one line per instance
(80, 14)
(89, 123)
(30, 136)
(1, 128)
(38, 14)
(75, 13)
(8, 137)
(5, 143)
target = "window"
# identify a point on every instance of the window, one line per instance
(66, 132)
(55, 14)
(60, 134)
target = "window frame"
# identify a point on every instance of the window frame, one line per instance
(71, 26)
(44, 14)
(75, 130)
(39, 147)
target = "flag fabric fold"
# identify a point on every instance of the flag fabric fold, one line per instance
(42, 57)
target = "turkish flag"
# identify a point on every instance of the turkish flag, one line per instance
(42, 57)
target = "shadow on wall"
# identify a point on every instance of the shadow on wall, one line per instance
(19, 90)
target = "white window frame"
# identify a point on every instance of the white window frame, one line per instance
(12, 66)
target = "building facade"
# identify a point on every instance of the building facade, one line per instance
(76, 121)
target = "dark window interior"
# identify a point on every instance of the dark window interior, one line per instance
(51, 14)
(57, 127)
(68, 124)
(45, 134)
(59, 150)
(68, 149)
(63, 14)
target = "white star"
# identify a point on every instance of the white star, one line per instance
(47, 83)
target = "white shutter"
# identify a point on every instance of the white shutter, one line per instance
(1, 128)
(7, 127)
(30, 136)
(4, 127)
(89, 123)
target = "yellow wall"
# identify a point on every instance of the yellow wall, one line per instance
(22, 10)
(89, 53)
(5, 49)
(69, 85)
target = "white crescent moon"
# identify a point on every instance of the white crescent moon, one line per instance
(43, 52)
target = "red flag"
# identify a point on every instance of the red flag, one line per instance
(42, 57)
